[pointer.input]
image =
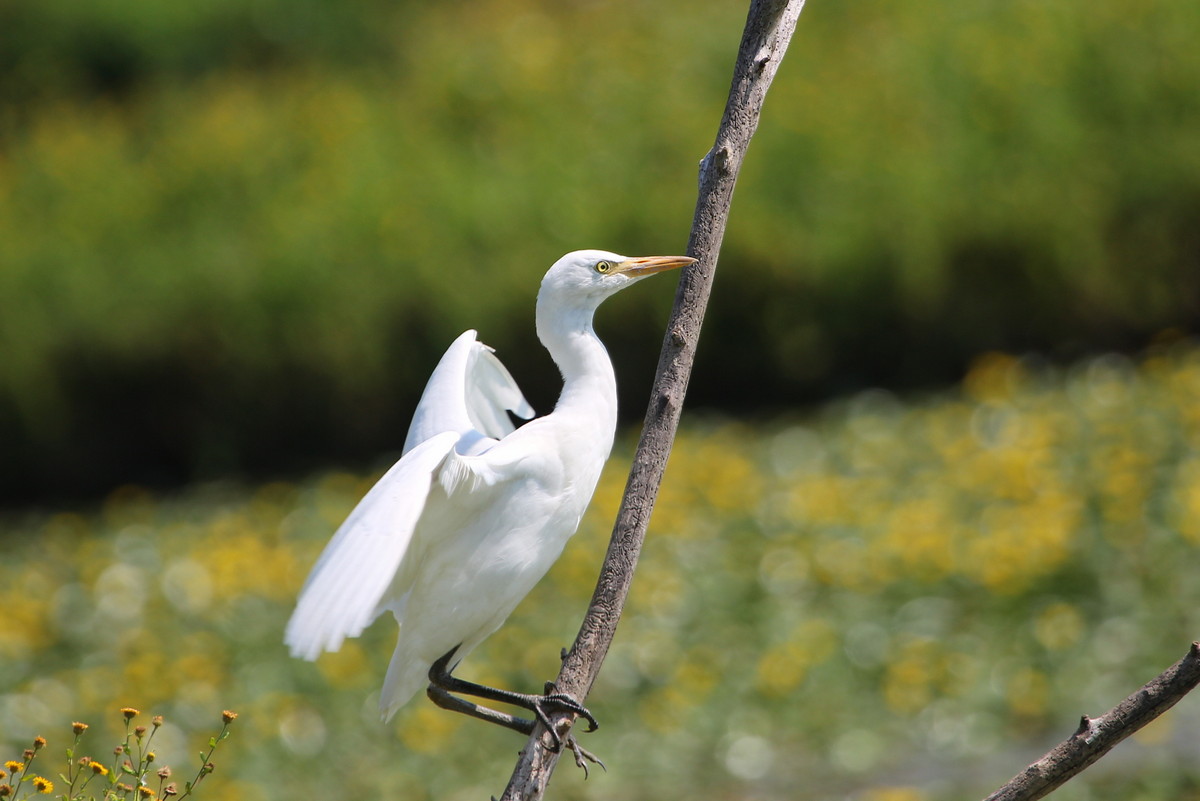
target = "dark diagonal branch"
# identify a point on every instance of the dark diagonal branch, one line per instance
(769, 28)
(1097, 736)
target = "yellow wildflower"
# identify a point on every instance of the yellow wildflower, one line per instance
(42, 784)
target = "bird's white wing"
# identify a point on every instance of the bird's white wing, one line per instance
(469, 390)
(344, 590)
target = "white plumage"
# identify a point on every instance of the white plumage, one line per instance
(459, 530)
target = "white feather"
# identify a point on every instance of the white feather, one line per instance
(468, 392)
(342, 594)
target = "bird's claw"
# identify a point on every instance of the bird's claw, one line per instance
(553, 701)
(562, 702)
(584, 756)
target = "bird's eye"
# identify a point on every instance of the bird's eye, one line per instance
(603, 266)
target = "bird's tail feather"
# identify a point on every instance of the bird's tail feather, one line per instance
(406, 675)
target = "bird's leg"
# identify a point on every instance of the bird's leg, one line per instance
(443, 698)
(442, 684)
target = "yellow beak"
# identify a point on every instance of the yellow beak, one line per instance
(648, 265)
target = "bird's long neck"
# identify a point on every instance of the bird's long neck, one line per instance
(589, 392)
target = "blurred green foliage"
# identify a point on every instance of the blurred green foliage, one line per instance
(886, 600)
(237, 235)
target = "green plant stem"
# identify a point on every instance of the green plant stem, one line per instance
(205, 761)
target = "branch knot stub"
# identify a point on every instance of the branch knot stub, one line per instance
(1088, 730)
(663, 404)
(724, 158)
(1096, 736)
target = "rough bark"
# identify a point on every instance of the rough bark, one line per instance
(769, 27)
(1095, 737)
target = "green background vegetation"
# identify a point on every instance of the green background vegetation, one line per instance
(235, 236)
(893, 601)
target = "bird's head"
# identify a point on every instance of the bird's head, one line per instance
(584, 278)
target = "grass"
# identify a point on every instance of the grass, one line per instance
(888, 599)
(290, 205)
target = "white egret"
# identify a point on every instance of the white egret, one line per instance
(475, 512)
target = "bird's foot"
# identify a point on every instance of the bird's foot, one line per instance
(584, 756)
(553, 701)
(442, 687)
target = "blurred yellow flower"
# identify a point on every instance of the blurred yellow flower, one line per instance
(662, 710)
(783, 667)
(427, 729)
(1058, 626)
(923, 538)
(992, 377)
(1027, 691)
(894, 794)
(919, 560)
(922, 669)
(695, 678)
(346, 667)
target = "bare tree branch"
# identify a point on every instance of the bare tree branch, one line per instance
(769, 27)
(1097, 736)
